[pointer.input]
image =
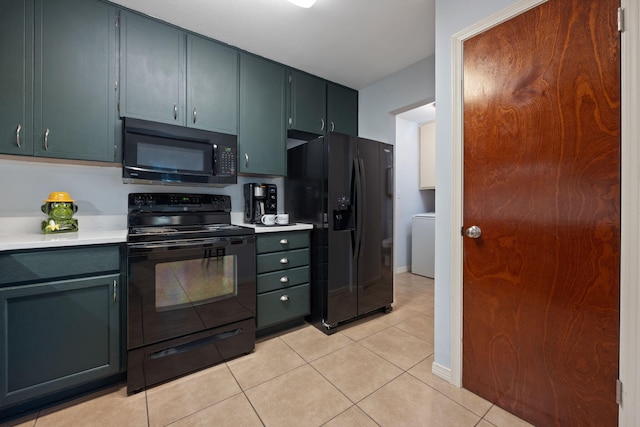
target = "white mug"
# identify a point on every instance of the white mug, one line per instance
(282, 219)
(268, 219)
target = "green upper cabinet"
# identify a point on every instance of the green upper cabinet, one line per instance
(262, 136)
(212, 85)
(75, 77)
(342, 109)
(58, 79)
(152, 70)
(16, 77)
(175, 77)
(306, 105)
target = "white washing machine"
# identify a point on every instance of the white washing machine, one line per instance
(423, 244)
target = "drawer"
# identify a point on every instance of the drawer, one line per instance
(36, 265)
(272, 242)
(282, 279)
(282, 260)
(280, 306)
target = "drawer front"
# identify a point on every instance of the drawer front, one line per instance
(272, 242)
(36, 265)
(282, 260)
(282, 279)
(280, 306)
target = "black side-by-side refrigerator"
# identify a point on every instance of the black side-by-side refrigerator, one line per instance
(343, 185)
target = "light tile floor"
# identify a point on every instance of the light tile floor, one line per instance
(376, 372)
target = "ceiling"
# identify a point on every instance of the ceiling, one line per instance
(351, 42)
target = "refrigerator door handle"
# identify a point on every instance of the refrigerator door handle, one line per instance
(358, 204)
(362, 200)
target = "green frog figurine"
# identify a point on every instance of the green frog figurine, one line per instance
(59, 208)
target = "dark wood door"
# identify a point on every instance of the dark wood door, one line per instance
(542, 181)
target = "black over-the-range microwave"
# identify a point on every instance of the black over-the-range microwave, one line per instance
(158, 153)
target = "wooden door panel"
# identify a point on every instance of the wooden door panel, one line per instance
(542, 181)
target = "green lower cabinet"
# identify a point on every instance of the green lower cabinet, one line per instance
(283, 305)
(282, 278)
(59, 334)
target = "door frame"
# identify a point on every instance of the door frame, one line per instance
(630, 200)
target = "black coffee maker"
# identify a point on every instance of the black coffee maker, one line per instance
(259, 199)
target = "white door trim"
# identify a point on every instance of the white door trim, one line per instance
(630, 200)
(630, 224)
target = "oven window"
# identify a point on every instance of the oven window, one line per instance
(194, 282)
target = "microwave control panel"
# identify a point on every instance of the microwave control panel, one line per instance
(226, 161)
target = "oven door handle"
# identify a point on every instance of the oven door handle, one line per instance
(178, 243)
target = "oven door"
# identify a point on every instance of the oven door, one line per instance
(177, 288)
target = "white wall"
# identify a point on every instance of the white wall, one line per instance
(97, 190)
(399, 92)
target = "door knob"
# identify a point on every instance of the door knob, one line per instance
(473, 232)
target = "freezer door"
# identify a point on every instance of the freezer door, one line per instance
(341, 288)
(375, 255)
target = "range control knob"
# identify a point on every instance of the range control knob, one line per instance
(138, 201)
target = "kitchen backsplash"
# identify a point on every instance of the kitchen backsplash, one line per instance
(97, 190)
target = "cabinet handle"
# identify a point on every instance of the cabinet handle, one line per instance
(284, 242)
(195, 113)
(18, 136)
(46, 140)
(115, 291)
(175, 112)
(284, 261)
(246, 160)
(284, 298)
(321, 124)
(284, 279)
(333, 126)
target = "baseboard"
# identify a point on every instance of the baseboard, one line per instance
(441, 372)
(404, 269)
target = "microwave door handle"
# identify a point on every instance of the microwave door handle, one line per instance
(214, 161)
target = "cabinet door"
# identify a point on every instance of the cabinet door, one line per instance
(16, 74)
(262, 136)
(152, 56)
(428, 156)
(342, 109)
(57, 335)
(212, 86)
(75, 98)
(307, 105)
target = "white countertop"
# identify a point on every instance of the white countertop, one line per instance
(24, 232)
(237, 218)
(259, 228)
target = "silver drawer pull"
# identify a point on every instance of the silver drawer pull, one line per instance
(284, 298)
(284, 242)
(284, 279)
(284, 261)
